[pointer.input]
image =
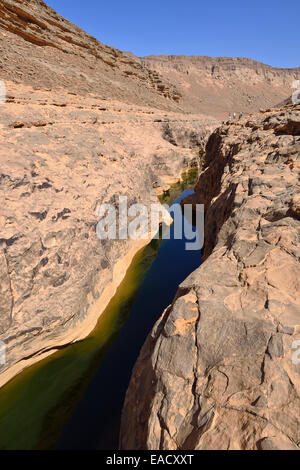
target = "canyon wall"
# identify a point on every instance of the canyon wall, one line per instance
(220, 369)
(85, 122)
(40, 47)
(75, 132)
(60, 159)
(222, 85)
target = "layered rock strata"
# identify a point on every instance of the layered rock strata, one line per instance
(222, 85)
(60, 158)
(221, 368)
(40, 46)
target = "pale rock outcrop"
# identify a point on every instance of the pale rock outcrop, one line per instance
(220, 370)
(82, 124)
(222, 85)
(60, 158)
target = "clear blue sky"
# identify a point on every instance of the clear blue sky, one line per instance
(264, 30)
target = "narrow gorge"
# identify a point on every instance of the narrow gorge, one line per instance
(83, 123)
(217, 372)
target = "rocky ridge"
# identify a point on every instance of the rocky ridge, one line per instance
(60, 158)
(83, 122)
(222, 85)
(38, 46)
(219, 369)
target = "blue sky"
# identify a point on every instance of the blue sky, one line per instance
(263, 30)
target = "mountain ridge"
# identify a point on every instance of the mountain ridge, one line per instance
(247, 60)
(224, 84)
(79, 62)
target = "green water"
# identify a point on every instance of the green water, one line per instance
(61, 378)
(36, 404)
(188, 180)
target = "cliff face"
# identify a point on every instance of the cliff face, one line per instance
(83, 123)
(224, 85)
(69, 141)
(60, 158)
(39, 46)
(218, 371)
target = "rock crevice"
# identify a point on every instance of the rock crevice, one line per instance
(238, 387)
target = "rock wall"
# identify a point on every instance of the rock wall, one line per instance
(60, 158)
(222, 85)
(40, 47)
(82, 124)
(219, 370)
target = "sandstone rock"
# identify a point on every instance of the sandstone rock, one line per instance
(221, 85)
(57, 164)
(39, 46)
(82, 124)
(217, 371)
(85, 122)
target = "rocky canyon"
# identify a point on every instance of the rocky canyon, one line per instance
(217, 371)
(83, 123)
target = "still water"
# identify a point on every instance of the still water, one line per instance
(74, 398)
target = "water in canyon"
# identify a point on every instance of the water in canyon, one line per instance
(73, 399)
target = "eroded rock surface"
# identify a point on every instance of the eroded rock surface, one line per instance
(82, 124)
(222, 85)
(60, 158)
(40, 46)
(220, 369)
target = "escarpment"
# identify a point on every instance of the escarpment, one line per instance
(82, 124)
(63, 55)
(222, 85)
(41, 47)
(60, 159)
(220, 369)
